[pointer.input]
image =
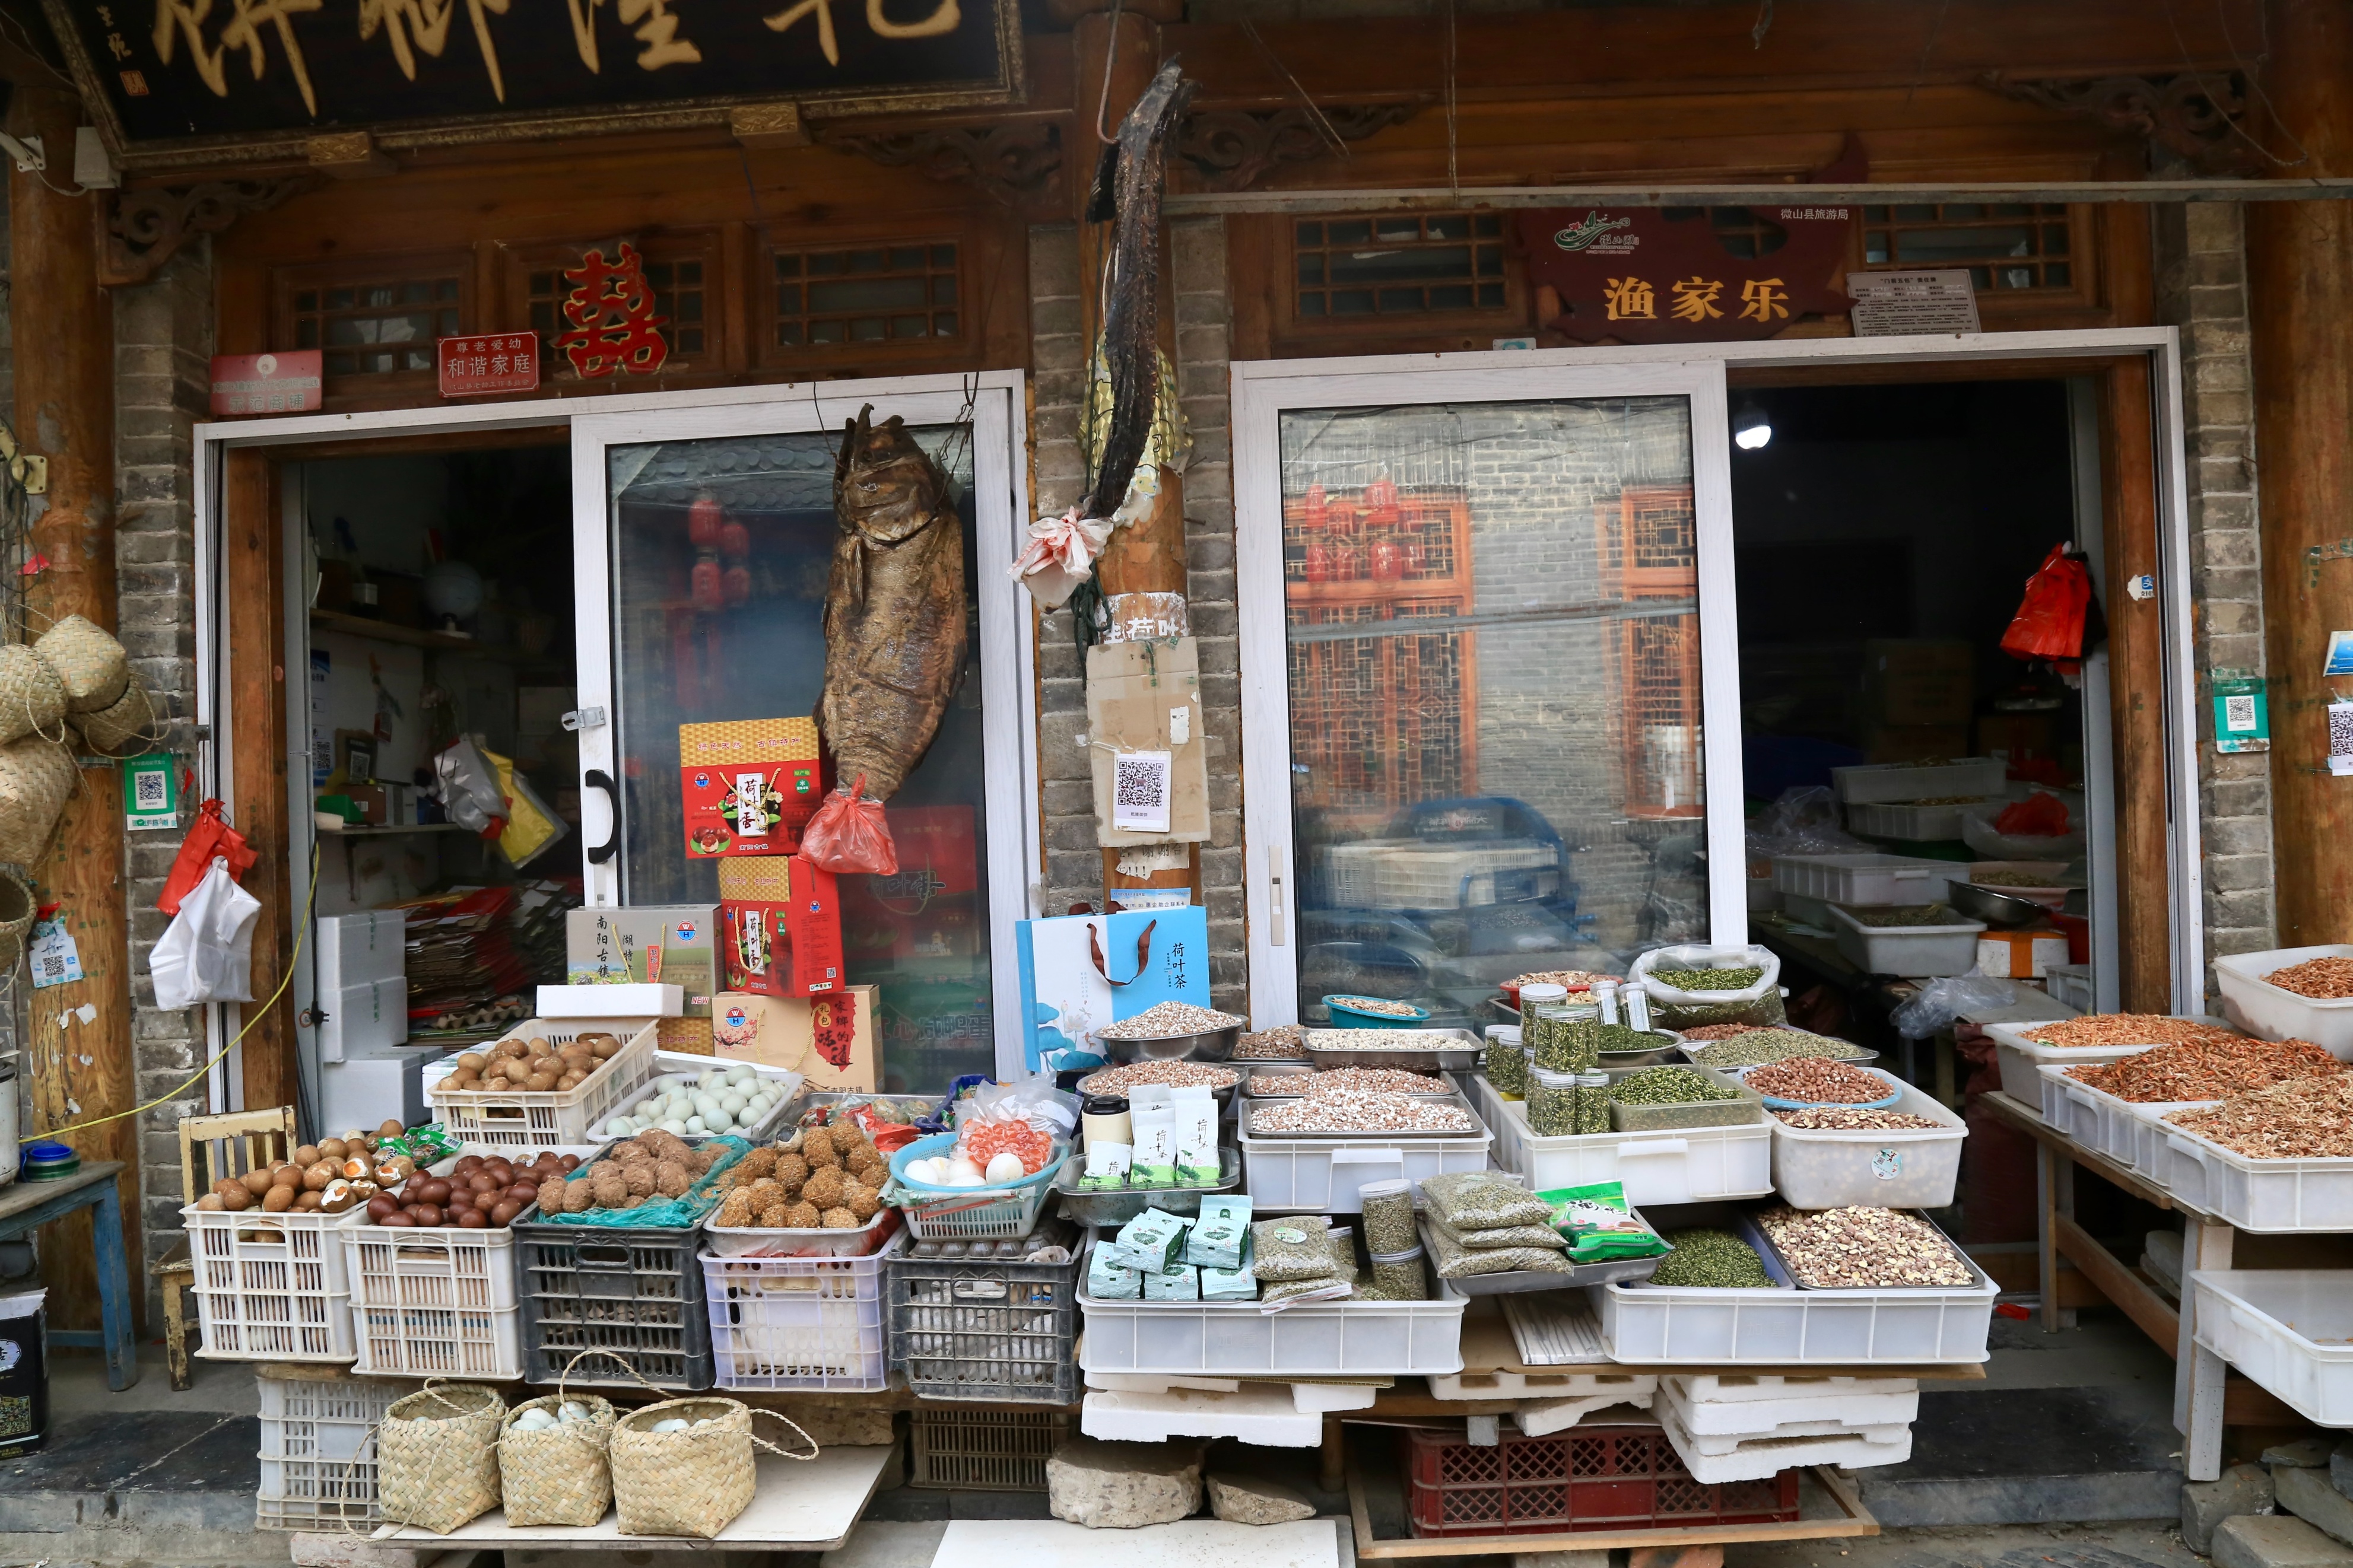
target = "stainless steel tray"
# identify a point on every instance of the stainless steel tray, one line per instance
(1425, 1058)
(1444, 1083)
(1244, 1108)
(1111, 1207)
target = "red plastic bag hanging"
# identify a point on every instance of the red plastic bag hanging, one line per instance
(2050, 619)
(848, 833)
(2039, 815)
(208, 837)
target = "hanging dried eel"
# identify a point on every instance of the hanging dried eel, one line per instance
(1131, 330)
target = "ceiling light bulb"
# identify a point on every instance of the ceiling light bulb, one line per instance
(1750, 428)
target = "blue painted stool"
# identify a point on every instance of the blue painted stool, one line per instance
(23, 1205)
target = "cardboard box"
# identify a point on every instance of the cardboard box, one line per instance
(781, 917)
(385, 804)
(1146, 697)
(692, 1036)
(749, 785)
(1910, 682)
(930, 906)
(1915, 742)
(828, 1039)
(662, 944)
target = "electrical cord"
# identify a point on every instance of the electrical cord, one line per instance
(309, 903)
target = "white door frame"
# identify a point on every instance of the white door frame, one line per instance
(1000, 491)
(1262, 387)
(1263, 392)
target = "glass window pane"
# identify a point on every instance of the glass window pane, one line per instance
(922, 936)
(944, 323)
(307, 301)
(1493, 672)
(943, 256)
(788, 266)
(908, 326)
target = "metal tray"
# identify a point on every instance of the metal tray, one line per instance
(1424, 1058)
(1754, 1234)
(1443, 1084)
(1244, 1108)
(1224, 1097)
(1115, 1206)
(1617, 1271)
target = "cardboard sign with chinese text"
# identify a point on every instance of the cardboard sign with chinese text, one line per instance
(830, 1041)
(498, 365)
(1681, 275)
(749, 785)
(284, 383)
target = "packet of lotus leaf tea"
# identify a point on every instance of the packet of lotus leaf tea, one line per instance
(1152, 1242)
(1221, 1234)
(1182, 1283)
(1108, 1279)
(1107, 1166)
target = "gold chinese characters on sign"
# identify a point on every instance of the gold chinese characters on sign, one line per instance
(1686, 274)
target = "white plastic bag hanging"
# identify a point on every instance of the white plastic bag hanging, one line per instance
(467, 788)
(206, 954)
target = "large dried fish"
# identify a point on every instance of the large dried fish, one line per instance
(894, 624)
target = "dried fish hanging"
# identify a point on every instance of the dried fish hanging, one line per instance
(1062, 551)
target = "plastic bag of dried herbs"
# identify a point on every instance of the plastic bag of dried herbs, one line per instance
(1693, 986)
(1480, 1200)
(1502, 1236)
(1600, 1225)
(1290, 1248)
(1455, 1261)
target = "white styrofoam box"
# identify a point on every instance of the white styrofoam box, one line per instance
(2289, 1329)
(1147, 1382)
(1902, 819)
(1913, 952)
(1998, 955)
(630, 1001)
(1875, 782)
(1500, 1384)
(1260, 1412)
(368, 1087)
(2267, 1010)
(1322, 1176)
(1819, 1168)
(1414, 874)
(368, 945)
(2020, 1057)
(1543, 1417)
(2072, 984)
(1712, 1403)
(1756, 1459)
(1681, 1165)
(1319, 1399)
(362, 1018)
(1863, 879)
(2256, 1194)
(1310, 1339)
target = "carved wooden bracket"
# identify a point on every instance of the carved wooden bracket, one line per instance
(2193, 116)
(143, 229)
(1230, 148)
(1009, 162)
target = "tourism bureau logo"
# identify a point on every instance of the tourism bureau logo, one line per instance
(1590, 232)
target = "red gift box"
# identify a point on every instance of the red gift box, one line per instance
(749, 785)
(782, 917)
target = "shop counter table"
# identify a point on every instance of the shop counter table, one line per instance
(25, 1206)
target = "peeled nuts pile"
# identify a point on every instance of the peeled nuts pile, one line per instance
(2128, 1029)
(2303, 1119)
(1861, 1248)
(1356, 1112)
(825, 1178)
(1283, 1043)
(2206, 1070)
(533, 1064)
(1853, 1119)
(1378, 1006)
(480, 1193)
(2325, 978)
(1119, 1080)
(647, 1168)
(1167, 1020)
(325, 1177)
(1817, 1080)
(1344, 1081)
(1384, 1040)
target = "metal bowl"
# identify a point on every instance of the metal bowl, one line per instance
(1209, 1046)
(1994, 909)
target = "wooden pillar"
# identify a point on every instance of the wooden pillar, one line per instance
(2300, 301)
(253, 567)
(64, 327)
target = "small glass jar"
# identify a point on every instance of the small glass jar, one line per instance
(1592, 1103)
(1552, 1103)
(1564, 1037)
(1506, 1061)
(1398, 1276)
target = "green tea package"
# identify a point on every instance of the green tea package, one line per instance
(1600, 1226)
(1108, 1279)
(1220, 1234)
(1152, 1242)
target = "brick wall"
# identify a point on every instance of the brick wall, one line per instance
(163, 344)
(2201, 288)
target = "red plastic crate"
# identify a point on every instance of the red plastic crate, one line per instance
(1594, 1477)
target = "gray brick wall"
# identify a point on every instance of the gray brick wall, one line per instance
(163, 345)
(2202, 290)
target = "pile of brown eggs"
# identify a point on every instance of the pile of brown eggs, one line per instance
(481, 1192)
(328, 1176)
(517, 1062)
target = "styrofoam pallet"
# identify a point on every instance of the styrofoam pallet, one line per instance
(1713, 1421)
(1325, 1398)
(1732, 1387)
(1543, 1417)
(1317, 1397)
(1258, 1413)
(1757, 1460)
(1502, 1384)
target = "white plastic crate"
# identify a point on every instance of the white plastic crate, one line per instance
(1903, 819)
(434, 1302)
(2149, 1130)
(1912, 952)
(2289, 1329)
(2270, 1012)
(2256, 1194)
(1322, 1176)
(1875, 782)
(272, 1287)
(1690, 1164)
(1863, 879)
(318, 1451)
(761, 1241)
(2022, 1058)
(2071, 983)
(799, 1323)
(523, 1119)
(1310, 1339)
(1819, 1168)
(1406, 874)
(2124, 1130)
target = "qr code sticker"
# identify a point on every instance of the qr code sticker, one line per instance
(151, 792)
(2239, 712)
(2340, 729)
(49, 968)
(1138, 782)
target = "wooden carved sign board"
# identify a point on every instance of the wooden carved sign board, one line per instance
(1681, 275)
(249, 78)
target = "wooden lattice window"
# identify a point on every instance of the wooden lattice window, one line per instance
(682, 270)
(886, 292)
(379, 325)
(1647, 545)
(1399, 265)
(2004, 246)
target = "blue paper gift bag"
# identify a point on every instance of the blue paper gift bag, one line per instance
(1146, 957)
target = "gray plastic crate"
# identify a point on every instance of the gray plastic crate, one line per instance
(1005, 1331)
(982, 1448)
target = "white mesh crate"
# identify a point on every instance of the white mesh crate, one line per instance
(318, 1451)
(551, 1118)
(272, 1287)
(799, 1323)
(1407, 874)
(437, 1302)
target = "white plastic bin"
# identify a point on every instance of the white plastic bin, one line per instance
(1682, 1165)
(272, 1287)
(2289, 1329)
(2122, 1129)
(1312, 1339)
(1902, 819)
(435, 1303)
(1863, 879)
(551, 1118)
(2264, 1010)
(1321, 1176)
(2022, 1058)
(1873, 781)
(2070, 984)
(318, 1451)
(1818, 1168)
(1913, 952)
(2256, 1194)
(2149, 1130)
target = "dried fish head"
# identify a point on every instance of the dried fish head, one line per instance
(886, 489)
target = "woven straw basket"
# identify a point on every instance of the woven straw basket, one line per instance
(128, 726)
(17, 907)
(88, 660)
(36, 778)
(691, 1482)
(32, 697)
(560, 1476)
(436, 1456)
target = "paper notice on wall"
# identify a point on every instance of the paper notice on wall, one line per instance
(2340, 738)
(1905, 304)
(56, 959)
(1140, 785)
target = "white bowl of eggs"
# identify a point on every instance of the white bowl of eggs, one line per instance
(721, 1100)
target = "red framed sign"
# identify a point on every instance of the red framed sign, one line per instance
(489, 366)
